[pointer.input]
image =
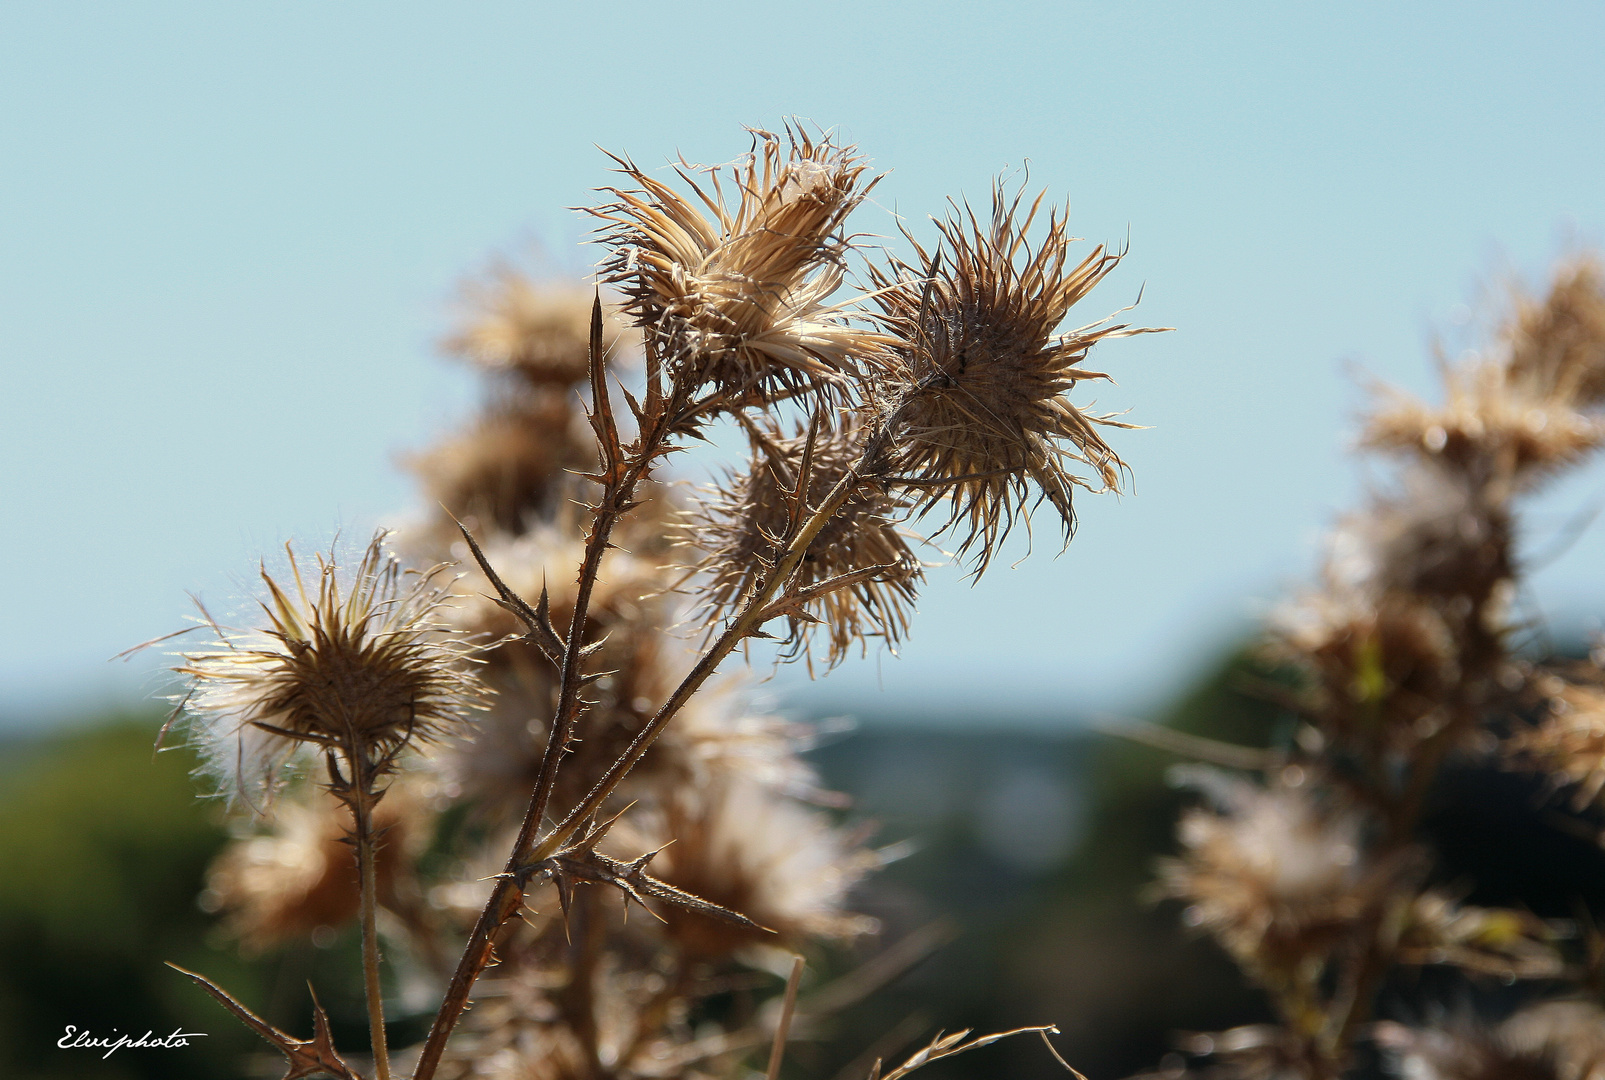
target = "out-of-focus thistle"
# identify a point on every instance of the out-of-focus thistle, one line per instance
(615, 766)
(1555, 1040)
(980, 375)
(1402, 663)
(734, 290)
(860, 563)
(537, 334)
(1275, 876)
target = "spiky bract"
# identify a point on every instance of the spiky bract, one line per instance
(360, 662)
(1273, 874)
(733, 293)
(1527, 408)
(980, 376)
(743, 530)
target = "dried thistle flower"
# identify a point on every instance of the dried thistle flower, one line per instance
(512, 464)
(282, 886)
(1275, 876)
(1526, 408)
(980, 377)
(744, 529)
(1569, 1034)
(735, 296)
(1569, 742)
(540, 333)
(1457, 1051)
(1552, 1040)
(748, 848)
(1559, 342)
(360, 661)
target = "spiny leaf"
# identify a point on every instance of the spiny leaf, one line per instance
(307, 1057)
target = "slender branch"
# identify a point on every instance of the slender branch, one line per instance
(361, 803)
(749, 620)
(777, 1050)
(619, 476)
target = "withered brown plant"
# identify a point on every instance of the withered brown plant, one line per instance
(615, 766)
(1315, 876)
(733, 289)
(861, 565)
(357, 670)
(981, 372)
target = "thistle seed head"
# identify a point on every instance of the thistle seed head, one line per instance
(539, 333)
(513, 464)
(980, 376)
(732, 291)
(1526, 408)
(281, 886)
(1569, 742)
(360, 662)
(1552, 1040)
(742, 531)
(750, 849)
(1272, 874)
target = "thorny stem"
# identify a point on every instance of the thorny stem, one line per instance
(1358, 985)
(620, 480)
(742, 626)
(361, 802)
(508, 894)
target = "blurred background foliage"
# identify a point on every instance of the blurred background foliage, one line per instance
(1024, 860)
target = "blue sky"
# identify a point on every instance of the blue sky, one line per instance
(232, 235)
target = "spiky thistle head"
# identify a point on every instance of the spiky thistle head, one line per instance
(981, 376)
(742, 531)
(516, 462)
(1274, 874)
(358, 662)
(1528, 405)
(539, 333)
(732, 291)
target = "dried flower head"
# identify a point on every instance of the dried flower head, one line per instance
(751, 849)
(1558, 342)
(1552, 1040)
(743, 530)
(540, 333)
(1528, 406)
(358, 661)
(735, 296)
(1457, 1051)
(512, 464)
(1570, 1035)
(1274, 875)
(1569, 742)
(980, 377)
(280, 887)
